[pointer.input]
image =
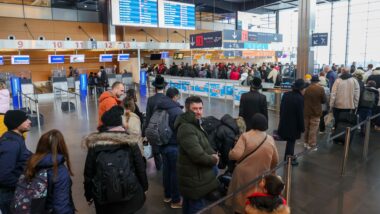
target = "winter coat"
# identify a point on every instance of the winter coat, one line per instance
(255, 164)
(226, 135)
(291, 116)
(101, 141)
(345, 93)
(281, 209)
(323, 81)
(174, 109)
(313, 99)
(234, 75)
(134, 128)
(4, 100)
(331, 77)
(107, 100)
(13, 158)
(374, 90)
(251, 103)
(196, 177)
(150, 107)
(375, 76)
(60, 200)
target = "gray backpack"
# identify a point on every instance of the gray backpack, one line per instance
(158, 130)
(368, 99)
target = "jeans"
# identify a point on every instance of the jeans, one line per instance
(289, 150)
(156, 155)
(6, 198)
(170, 179)
(192, 206)
(311, 130)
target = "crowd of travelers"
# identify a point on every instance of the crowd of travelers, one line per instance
(201, 158)
(268, 72)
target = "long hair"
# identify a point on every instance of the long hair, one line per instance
(50, 142)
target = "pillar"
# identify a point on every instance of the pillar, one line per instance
(111, 28)
(306, 26)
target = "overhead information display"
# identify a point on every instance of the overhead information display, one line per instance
(176, 15)
(135, 13)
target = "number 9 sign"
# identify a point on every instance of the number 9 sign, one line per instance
(20, 44)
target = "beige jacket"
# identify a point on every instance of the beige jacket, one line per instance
(345, 93)
(261, 161)
(134, 128)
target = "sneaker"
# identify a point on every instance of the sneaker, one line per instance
(167, 200)
(176, 205)
(305, 145)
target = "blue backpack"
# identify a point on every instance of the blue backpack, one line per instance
(30, 195)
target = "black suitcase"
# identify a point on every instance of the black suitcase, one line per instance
(346, 119)
(65, 107)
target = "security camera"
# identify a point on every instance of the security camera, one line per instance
(68, 38)
(150, 40)
(168, 40)
(133, 40)
(41, 38)
(92, 39)
(12, 37)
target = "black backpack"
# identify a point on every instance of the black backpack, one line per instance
(210, 125)
(115, 180)
(158, 130)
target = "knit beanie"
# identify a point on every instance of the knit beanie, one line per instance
(14, 118)
(113, 117)
(259, 122)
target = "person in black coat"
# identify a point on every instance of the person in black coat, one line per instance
(226, 135)
(112, 136)
(159, 84)
(253, 102)
(291, 117)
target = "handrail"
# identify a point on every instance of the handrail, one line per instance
(68, 96)
(70, 92)
(287, 163)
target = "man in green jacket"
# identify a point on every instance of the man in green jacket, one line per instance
(196, 160)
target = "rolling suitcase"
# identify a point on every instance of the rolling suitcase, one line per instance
(345, 119)
(65, 107)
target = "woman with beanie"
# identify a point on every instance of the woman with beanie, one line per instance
(114, 174)
(255, 153)
(52, 155)
(267, 199)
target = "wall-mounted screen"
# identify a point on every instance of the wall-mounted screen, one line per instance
(20, 60)
(178, 56)
(176, 15)
(56, 59)
(122, 57)
(141, 13)
(105, 58)
(256, 22)
(76, 58)
(155, 56)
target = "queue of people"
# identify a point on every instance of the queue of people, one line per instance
(115, 177)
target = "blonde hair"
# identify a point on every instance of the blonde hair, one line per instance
(3, 85)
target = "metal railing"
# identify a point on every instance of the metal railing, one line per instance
(27, 100)
(289, 168)
(68, 93)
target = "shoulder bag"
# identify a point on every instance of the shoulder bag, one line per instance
(249, 154)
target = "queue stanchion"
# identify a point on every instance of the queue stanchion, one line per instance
(68, 100)
(346, 147)
(38, 116)
(366, 138)
(288, 186)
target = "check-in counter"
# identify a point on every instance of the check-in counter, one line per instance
(59, 82)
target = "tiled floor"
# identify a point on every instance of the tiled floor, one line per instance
(317, 185)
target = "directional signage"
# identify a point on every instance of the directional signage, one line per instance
(20, 60)
(279, 54)
(232, 35)
(122, 57)
(56, 59)
(1, 60)
(206, 40)
(320, 39)
(105, 58)
(233, 45)
(256, 46)
(229, 54)
(264, 37)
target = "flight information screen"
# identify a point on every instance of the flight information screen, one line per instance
(176, 15)
(135, 13)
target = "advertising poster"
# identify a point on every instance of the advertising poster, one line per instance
(187, 86)
(216, 90)
(206, 40)
(175, 83)
(201, 88)
(76, 58)
(229, 90)
(238, 91)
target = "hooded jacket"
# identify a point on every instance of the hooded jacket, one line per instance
(174, 109)
(13, 158)
(375, 76)
(195, 163)
(106, 101)
(345, 93)
(61, 200)
(102, 141)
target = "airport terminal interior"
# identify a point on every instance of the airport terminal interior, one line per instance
(59, 57)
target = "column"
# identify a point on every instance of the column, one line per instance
(111, 28)
(306, 26)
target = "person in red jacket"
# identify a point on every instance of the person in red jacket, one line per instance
(108, 99)
(234, 74)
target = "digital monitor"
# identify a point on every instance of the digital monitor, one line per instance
(105, 58)
(178, 56)
(140, 13)
(77, 58)
(176, 15)
(56, 59)
(155, 56)
(122, 57)
(20, 60)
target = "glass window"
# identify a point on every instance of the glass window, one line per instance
(40, 3)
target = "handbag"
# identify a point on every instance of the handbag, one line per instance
(147, 150)
(329, 120)
(249, 154)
